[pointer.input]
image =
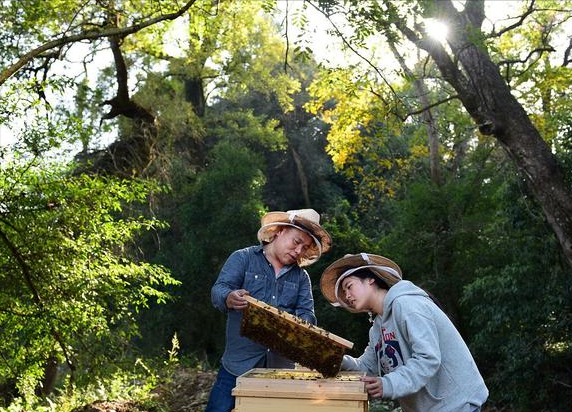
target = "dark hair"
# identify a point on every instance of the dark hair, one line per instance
(365, 273)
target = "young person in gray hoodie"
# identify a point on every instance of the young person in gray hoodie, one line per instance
(415, 353)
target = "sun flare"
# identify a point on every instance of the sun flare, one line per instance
(436, 29)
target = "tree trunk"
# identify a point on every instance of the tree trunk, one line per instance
(301, 176)
(426, 116)
(195, 94)
(131, 155)
(487, 98)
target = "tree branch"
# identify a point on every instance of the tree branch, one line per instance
(449, 69)
(538, 50)
(567, 58)
(90, 35)
(122, 104)
(349, 46)
(27, 273)
(430, 106)
(523, 17)
(475, 12)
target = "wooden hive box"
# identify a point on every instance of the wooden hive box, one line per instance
(294, 338)
(294, 390)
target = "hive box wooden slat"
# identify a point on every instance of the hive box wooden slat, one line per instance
(258, 390)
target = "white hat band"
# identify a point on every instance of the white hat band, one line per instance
(299, 228)
(348, 272)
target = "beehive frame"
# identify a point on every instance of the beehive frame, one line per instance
(293, 337)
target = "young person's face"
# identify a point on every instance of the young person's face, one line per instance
(290, 244)
(356, 292)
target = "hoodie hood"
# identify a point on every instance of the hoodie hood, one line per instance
(401, 288)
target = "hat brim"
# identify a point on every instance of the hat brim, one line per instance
(335, 270)
(272, 222)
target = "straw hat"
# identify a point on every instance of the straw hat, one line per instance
(384, 268)
(306, 220)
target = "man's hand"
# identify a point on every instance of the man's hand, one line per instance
(235, 299)
(373, 386)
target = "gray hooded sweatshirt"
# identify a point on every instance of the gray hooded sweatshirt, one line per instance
(419, 354)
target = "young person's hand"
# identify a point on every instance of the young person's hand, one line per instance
(373, 386)
(235, 299)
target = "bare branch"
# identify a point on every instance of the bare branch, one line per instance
(451, 72)
(357, 53)
(538, 50)
(523, 17)
(428, 107)
(90, 35)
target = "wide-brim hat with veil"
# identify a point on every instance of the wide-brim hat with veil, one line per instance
(306, 220)
(331, 280)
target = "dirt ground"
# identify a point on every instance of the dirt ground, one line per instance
(110, 406)
(186, 391)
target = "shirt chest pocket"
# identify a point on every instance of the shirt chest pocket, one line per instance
(289, 294)
(255, 283)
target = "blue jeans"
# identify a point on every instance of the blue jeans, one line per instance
(221, 399)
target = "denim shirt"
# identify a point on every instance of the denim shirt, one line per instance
(249, 269)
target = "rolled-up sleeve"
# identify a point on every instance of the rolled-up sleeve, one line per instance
(305, 302)
(231, 277)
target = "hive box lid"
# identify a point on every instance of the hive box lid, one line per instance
(300, 384)
(293, 337)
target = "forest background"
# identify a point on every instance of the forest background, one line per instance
(141, 142)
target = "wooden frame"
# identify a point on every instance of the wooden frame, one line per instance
(293, 337)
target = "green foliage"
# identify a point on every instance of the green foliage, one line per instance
(519, 309)
(69, 290)
(132, 383)
(226, 195)
(522, 336)
(38, 128)
(342, 224)
(479, 240)
(215, 214)
(243, 127)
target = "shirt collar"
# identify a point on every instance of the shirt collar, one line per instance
(260, 250)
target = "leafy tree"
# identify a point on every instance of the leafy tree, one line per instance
(467, 65)
(214, 213)
(475, 236)
(68, 289)
(63, 23)
(519, 308)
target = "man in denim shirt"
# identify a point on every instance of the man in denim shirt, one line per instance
(271, 272)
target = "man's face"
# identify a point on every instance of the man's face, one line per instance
(291, 243)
